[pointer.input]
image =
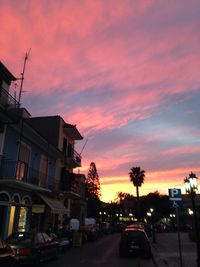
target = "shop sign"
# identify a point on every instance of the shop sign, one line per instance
(36, 208)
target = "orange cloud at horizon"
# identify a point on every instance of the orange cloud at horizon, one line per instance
(155, 181)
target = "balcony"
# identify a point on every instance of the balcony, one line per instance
(73, 159)
(69, 182)
(16, 171)
(6, 100)
(8, 104)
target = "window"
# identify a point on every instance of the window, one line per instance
(65, 146)
(22, 219)
(4, 196)
(23, 161)
(22, 169)
(2, 134)
(43, 171)
(69, 150)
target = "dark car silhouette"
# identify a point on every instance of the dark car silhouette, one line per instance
(6, 255)
(64, 238)
(134, 241)
(32, 247)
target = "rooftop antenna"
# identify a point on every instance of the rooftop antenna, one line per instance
(22, 74)
(84, 146)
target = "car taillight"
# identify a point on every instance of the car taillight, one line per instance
(24, 251)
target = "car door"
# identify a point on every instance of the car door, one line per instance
(39, 240)
(49, 247)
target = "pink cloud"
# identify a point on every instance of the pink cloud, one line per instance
(185, 150)
(126, 62)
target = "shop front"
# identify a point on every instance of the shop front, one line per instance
(15, 212)
(52, 216)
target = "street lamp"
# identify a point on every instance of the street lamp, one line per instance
(191, 187)
(150, 214)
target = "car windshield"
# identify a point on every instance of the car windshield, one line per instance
(21, 238)
(63, 233)
(135, 234)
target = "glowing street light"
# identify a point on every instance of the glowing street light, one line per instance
(191, 188)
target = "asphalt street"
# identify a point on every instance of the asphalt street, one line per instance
(102, 252)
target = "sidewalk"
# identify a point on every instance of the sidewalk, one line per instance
(166, 250)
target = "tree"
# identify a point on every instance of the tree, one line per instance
(92, 182)
(93, 192)
(120, 197)
(137, 178)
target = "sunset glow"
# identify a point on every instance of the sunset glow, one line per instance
(125, 72)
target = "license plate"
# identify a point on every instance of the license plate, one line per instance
(134, 246)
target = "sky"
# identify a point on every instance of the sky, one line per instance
(126, 72)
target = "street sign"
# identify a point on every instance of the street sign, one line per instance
(175, 197)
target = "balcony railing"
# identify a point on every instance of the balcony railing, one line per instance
(73, 160)
(7, 101)
(70, 182)
(9, 170)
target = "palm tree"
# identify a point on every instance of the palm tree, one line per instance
(137, 178)
(120, 197)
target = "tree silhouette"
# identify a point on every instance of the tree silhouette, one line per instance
(137, 178)
(93, 192)
(120, 197)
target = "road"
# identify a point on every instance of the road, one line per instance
(102, 252)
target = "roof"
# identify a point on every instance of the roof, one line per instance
(73, 131)
(54, 121)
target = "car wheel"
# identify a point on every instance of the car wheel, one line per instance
(122, 254)
(55, 256)
(147, 255)
(36, 262)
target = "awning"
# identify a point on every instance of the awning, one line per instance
(54, 204)
(72, 195)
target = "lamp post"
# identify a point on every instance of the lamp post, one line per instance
(191, 187)
(151, 215)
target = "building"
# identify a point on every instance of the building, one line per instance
(69, 186)
(28, 164)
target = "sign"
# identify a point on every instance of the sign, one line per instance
(36, 208)
(77, 239)
(175, 197)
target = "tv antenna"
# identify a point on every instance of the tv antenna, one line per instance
(84, 146)
(22, 75)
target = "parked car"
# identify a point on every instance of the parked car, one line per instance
(6, 255)
(32, 247)
(135, 226)
(134, 241)
(89, 232)
(64, 239)
(105, 228)
(143, 226)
